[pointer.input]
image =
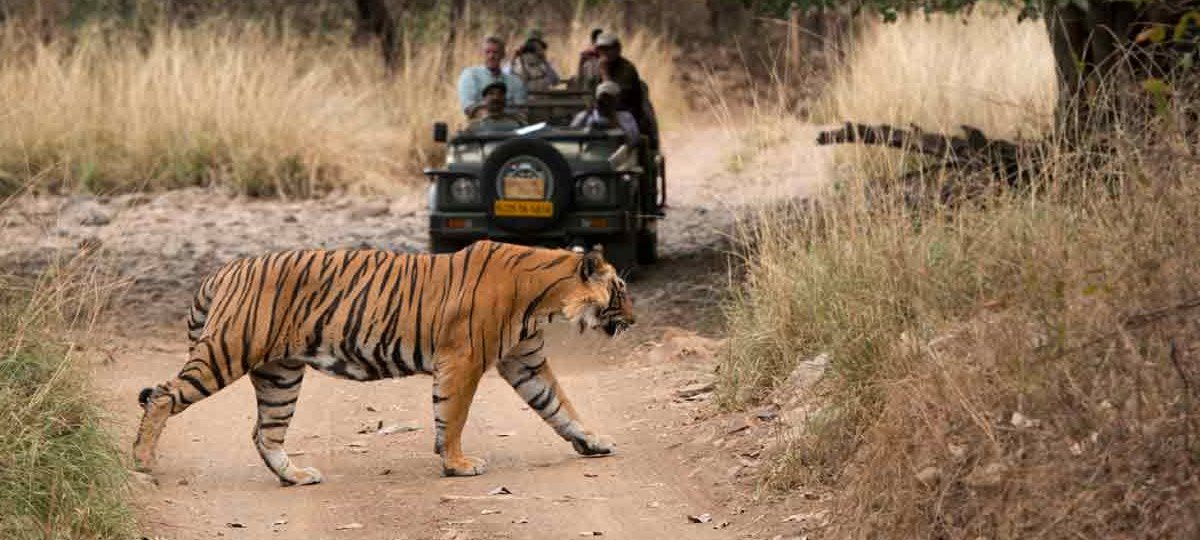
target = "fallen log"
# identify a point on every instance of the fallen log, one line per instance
(1012, 162)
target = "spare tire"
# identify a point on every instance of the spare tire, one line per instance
(533, 158)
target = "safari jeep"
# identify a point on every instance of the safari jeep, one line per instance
(547, 184)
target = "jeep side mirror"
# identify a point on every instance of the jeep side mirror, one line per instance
(440, 132)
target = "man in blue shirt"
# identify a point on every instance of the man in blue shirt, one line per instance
(474, 79)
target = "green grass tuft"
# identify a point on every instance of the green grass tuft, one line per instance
(61, 473)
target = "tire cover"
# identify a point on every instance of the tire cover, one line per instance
(560, 183)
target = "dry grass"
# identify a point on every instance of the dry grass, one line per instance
(992, 73)
(262, 110)
(1025, 366)
(61, 475)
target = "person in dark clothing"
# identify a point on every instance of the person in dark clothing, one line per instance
(587, 75)
(634, 96)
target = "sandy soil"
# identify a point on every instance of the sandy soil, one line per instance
(676, 457)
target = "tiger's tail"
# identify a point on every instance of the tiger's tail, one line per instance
(198, 314)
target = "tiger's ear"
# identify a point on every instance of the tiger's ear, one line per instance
(591, 263)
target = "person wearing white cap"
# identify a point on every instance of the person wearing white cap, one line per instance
(633, 98)
(604, 114)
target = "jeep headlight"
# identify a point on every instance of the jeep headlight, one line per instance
(464, 190)
(593, 189)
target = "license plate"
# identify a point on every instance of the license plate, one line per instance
(511, 208)
(521, 186)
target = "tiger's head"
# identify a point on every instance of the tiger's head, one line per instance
(600, 302)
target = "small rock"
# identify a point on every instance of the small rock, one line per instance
(702, 518)
(182, 482)
(235, 525)
(988, 475)
(289, 218)
(144, 479)
(590, 475)
(506, 434)
(521, 521)
(1021, 421)
(767, 414)
(279, 523)
(385, 472)
(88, 214)
(929, 475)
(489, 511)
(500, 490)
(737, 425)
(695, 390)
(591, 533)
(369, 210)
(349, 526)
(403, 427)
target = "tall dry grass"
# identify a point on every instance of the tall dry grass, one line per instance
(261, 109)
(985, 70)
(1019, 366)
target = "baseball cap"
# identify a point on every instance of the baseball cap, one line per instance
(608, 87)
(496, 84)
(607, 39)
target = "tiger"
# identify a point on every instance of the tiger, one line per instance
(368, 314)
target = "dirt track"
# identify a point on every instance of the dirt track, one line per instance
(210, 482)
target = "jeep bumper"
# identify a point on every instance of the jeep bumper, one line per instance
(476, 225)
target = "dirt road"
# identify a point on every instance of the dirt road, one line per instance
(210, 483)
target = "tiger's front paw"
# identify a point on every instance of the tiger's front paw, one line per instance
(593, 445)
(301, 477)
(464, 466)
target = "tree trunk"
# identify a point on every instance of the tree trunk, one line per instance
(375, 22)
(454, 20)
(627, 17)
(1088, 46)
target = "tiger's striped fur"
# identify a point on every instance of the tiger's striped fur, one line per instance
(371, 314)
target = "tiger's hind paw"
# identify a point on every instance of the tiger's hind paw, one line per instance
(143, 461)
(302, 477)
(464, 466)
(594, 446)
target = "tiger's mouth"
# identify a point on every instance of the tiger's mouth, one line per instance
(615, 326)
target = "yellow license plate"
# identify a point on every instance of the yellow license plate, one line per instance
(518, 186)
(511, 208)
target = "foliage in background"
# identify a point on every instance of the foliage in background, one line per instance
(1019, 365)
(263, 110)
(61, 474)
